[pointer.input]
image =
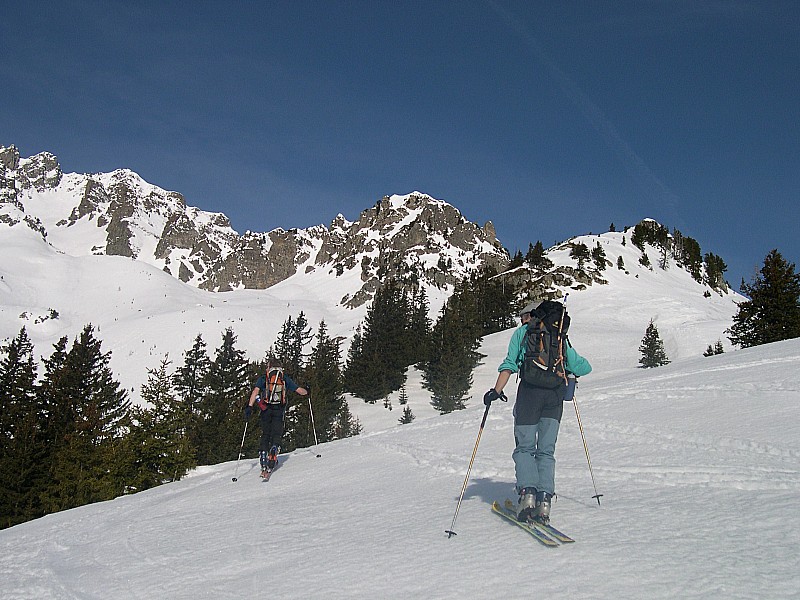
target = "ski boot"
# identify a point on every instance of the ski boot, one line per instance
(264, 460)
(541, 511)
(527, 504)
(272, 458)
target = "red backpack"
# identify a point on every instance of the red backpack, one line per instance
(275, 394)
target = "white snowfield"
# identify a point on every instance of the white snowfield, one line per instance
(697, 462)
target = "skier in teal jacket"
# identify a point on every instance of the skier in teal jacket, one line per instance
(537, 417)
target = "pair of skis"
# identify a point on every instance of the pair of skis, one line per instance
(267, 473)
(545, 534)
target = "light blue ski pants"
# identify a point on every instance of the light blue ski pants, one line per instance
(534, 456)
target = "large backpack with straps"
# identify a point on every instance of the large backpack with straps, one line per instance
(275, 392)
(545, 346)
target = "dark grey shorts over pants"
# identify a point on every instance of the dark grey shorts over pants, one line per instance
(537, 416)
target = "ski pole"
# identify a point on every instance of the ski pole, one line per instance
(571, 390)
(313, 427)
(586, 449)
(451, 532)
(236, 470)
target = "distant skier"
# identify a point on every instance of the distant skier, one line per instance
(539, 348)
(270, 393)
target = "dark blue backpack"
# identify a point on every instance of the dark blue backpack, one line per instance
(545, 346)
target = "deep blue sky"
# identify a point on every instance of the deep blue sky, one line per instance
(551, 119)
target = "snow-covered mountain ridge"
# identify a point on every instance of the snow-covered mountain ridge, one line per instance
(57, 274)
(120, 214)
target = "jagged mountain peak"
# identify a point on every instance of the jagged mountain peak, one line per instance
(413, 238)
(119, 213)
(62, 248)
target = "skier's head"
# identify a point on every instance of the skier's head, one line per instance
(274, 363)
(525, 313)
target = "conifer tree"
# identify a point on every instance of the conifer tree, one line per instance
(158, 443)
(715, 271)
(581, 253)
(189, 383)
(89, 416)
(58, 412)
(447, 374)
(403, 398)
(516, 260)
(407, 416)
(323, 378)
(715, 349)
(282, 348)
(493, 302)
(692, 258)
(377, 367)
(21, 442)
(419, 327)
(354, 378)
(228, 388)
(599, 257)
(345, 424)
(290, 346)
(652, 349)
(772, 312)
(536, 257)
(638, 237)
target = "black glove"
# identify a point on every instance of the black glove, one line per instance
(248, 410)
(490, 396)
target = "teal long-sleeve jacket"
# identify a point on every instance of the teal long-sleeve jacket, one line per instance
(574, 362)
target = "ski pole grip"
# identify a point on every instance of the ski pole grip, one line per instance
(571, 383)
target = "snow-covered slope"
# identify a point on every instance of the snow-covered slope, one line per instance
(697, 462)
(142, 313)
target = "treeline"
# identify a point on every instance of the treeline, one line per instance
(72, 437)
(685, 251)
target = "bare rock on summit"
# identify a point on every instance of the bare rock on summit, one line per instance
(414, 238)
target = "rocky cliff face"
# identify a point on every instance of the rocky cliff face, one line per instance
(414, 238)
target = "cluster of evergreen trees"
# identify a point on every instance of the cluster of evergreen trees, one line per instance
(397, 333)
(71, 437)
(62, 435)
(770, 314)
(683, 249)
